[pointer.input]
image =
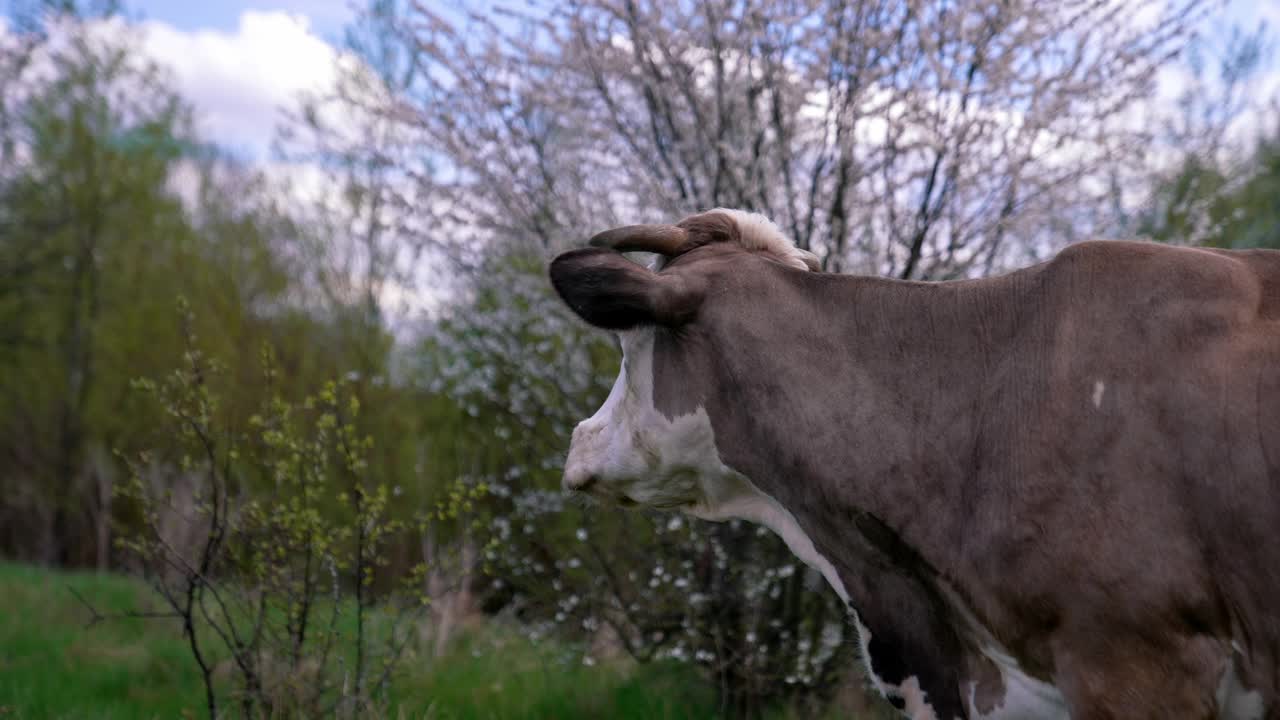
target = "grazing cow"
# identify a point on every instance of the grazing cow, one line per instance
(1048, 494)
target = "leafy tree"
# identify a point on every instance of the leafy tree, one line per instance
(925, 140)
(1203, 204)
(1248, 215)
(97, 154)
(111, 207)
(1221, 188)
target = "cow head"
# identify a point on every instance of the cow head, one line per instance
(652, 442)
(727, 366)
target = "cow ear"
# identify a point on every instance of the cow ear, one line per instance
(609, 291)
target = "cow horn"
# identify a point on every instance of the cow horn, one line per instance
(669, 240)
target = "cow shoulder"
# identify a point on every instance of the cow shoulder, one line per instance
(1149, 276)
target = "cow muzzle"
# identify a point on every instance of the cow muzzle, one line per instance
(577, 480)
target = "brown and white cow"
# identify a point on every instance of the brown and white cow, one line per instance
(1048, 494)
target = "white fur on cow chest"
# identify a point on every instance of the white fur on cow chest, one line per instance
(1235, 702)
(1025, 697)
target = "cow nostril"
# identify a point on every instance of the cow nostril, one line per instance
(581, 483)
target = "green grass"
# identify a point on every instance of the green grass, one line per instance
(510, 678)
(53, 666)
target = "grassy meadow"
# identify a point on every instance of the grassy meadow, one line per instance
(54, 664)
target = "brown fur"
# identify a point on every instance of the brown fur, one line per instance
(1085, 452)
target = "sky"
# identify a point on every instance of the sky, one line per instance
(325, 18)
(239, 61)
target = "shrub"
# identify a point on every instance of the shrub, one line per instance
(267, 538)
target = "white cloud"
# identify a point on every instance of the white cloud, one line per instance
(238, 82)
(329, 16)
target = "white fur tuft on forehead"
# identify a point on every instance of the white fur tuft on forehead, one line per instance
(759, 233)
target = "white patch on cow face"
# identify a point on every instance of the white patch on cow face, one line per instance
(630, 452)
(1099, 388)
(1234, 701)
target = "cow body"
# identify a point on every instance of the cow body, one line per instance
(1052, 492)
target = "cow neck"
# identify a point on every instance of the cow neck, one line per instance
(870, 407)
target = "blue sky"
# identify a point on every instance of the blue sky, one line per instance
(240, 61)
(326, 17)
